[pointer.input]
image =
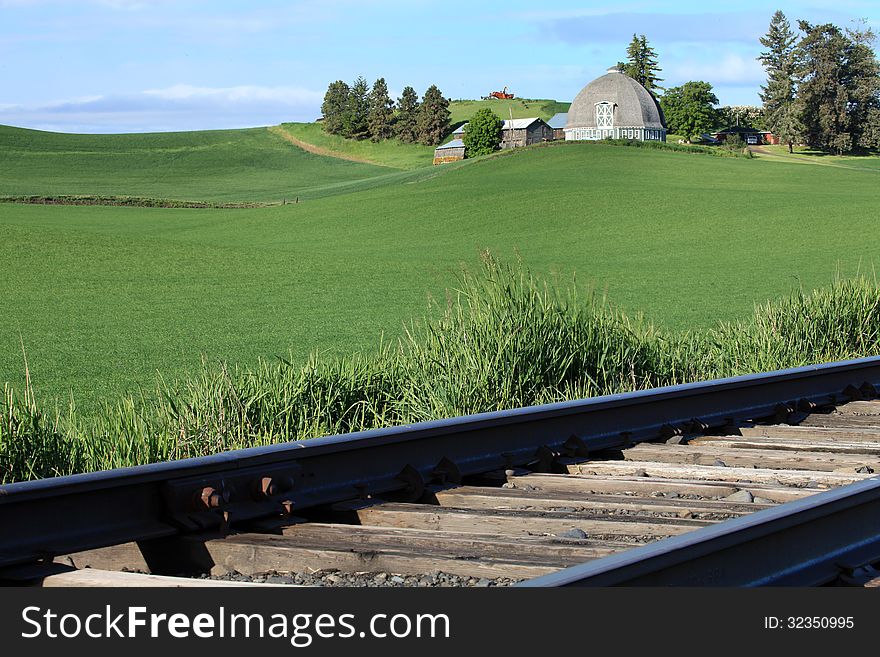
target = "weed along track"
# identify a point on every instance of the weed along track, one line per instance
(763, 479)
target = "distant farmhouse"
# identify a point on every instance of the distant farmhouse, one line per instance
(613, 106)
(748, 135)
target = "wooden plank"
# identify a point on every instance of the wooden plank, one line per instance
(520, 523)
(90, 578)
(464, 545)
(125, 556)
(249, 553)
(713, 473)
(763, 458)
(471, 497)
(789, 444)
(634, 486)
(857, 434)
(860, 408)
(352, 548)
(840, 421)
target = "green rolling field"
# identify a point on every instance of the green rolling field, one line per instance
(104, 297)
(223, 165)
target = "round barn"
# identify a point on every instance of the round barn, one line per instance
(614, 106)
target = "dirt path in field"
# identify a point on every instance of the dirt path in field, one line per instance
(317, 150)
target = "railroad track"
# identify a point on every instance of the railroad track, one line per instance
(765, 479)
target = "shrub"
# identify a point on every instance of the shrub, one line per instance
(482, 135)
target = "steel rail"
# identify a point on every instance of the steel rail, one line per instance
(808, 542)
(49, 517)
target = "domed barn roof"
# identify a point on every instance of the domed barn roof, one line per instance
(634, 106)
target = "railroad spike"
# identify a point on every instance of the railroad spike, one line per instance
(447, 471)
(854, 393)
(730, 427)
(781, 412)
(805, 405)
(545, 459)
(574, 447)
(666, 431)
(414, 482)
(697, 426)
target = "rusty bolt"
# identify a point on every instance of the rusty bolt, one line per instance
(208, 498)
(267, 486)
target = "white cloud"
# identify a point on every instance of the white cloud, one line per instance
(732, 70)
(179, 107)
(239, 94)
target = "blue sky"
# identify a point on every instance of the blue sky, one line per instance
(140, 65)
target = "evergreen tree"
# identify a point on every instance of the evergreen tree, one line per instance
(354, 125)
(482, 134)
(839, 91)
(335, 107)
(433, 117)
(381, 112)
(642, 64)
(406, 125)
(863, 73)
(781, 113)
(689, 109)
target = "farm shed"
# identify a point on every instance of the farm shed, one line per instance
(557, 124)
(748, 135)
(451, 152)
(614, 106)
(524, 132)
(518, 133)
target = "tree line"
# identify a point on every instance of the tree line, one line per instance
(357, 111)
(823, 87)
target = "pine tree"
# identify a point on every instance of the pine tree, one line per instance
(781, 113)
(357, 111)
(482, 135)
(406, 125)
(381, 112)
(863, 75)
(335, 107)
(433, 117)
(642, 64)
(838, 86)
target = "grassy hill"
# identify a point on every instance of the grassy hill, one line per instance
(103, 297)
(521, 108)
(225, 165)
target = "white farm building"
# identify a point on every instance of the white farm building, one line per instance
(615, 106)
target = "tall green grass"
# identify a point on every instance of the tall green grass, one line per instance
(503, 338)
